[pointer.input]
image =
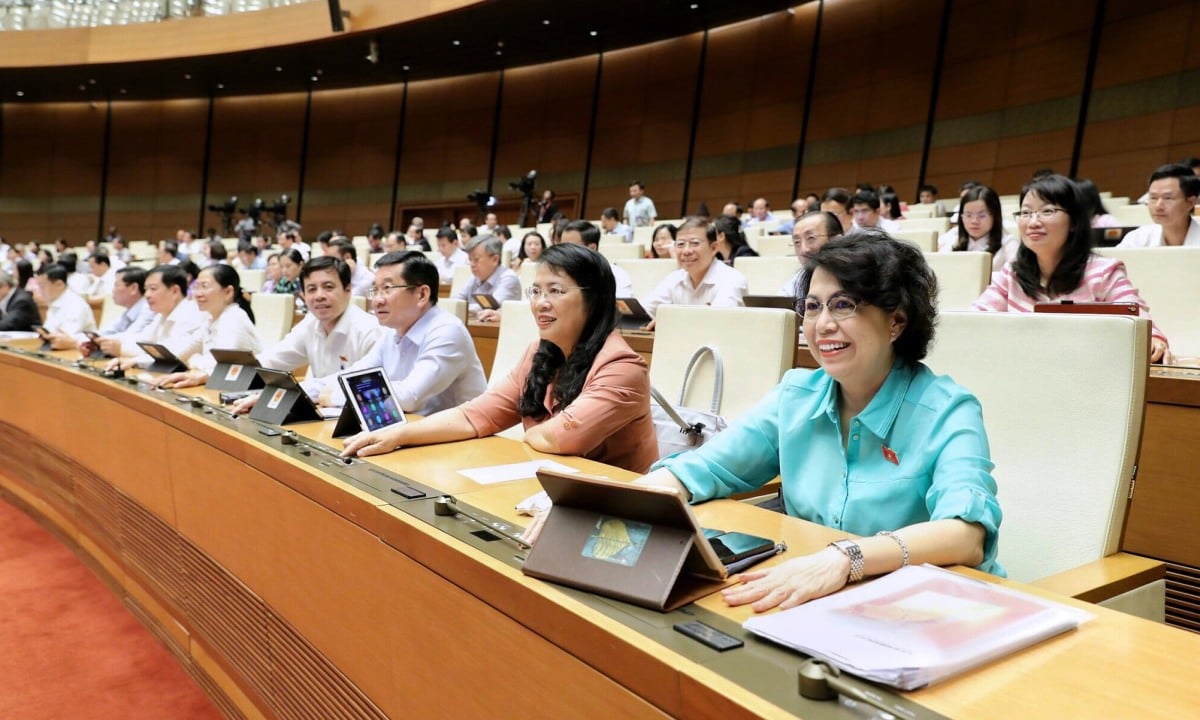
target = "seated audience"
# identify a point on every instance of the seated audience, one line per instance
(980, 228)
(101, 277)
(579, 390)
(1095, 205)
(229, 325)
(799, 208)
(334, 334)
(290, 263)
(1055, 261)
(701, 279)
(532, 247)
(361, 278)
(915, 475)
(488, 278)
(273, 274)
(128, 292)
(249, 257)
(889, 203)
(178, 324)
(450, 254)
(582, 232)
(1170, 200)
(425, 351)
(928, 195)
(865, 204)
(760, 213)
(809, 235)
(729, 241)
(836, 200)
(662, 242)
(610, 223)
(18, 310)
(67, 313)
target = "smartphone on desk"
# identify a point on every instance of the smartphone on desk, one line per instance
(733, 547)
(42, 332)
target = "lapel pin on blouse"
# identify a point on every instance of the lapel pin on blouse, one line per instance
(890, 455)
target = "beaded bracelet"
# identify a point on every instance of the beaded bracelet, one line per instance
(899, 541)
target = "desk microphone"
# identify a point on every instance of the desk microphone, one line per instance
(822, 681)
(447, 506)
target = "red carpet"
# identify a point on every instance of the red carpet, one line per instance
(69, 649)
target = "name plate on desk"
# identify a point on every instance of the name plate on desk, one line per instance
(631, 542)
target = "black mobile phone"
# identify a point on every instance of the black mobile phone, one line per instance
(93, 336)
(734, 546)
(41, 331)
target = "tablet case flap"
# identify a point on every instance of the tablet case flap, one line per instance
(347, 423)
(233, 377)
(282, 406)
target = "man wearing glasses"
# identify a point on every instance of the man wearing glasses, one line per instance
(1171, 199)
(809, 235)
(425, 351)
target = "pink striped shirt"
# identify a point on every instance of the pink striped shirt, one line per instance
(1104, 280)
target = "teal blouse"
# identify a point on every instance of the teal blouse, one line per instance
(917, 452)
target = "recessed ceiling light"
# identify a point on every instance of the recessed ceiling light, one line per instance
(187, 76)
(220, 86)
(314, 78)
(122, 91)
(499, 52)
(20, 93)
(278, 68)
(545, 22)
(455, 43)
(91, 81)
(82, 87)
(593, 33)
(405, 68)
(695, 6)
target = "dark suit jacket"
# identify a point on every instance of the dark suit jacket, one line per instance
(22, 312)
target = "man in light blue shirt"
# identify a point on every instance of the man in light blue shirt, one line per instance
(490, 278)
(425, 351)
(611, 225)
(639, 209)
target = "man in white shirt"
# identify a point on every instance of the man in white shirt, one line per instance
(760, 213)
(836, 200)
(582, 232)
(1170, 200)
(168, 252)
(489, 278)
(701, 279)
(361, 279)
(612, 225)
(451, 255)
(865, 206)
(639, 209)
(101, 279)
(425, 351)
(490, 223)
(927, 195)
(128, 292)
(178, 324)
(67, 312)
(333, 336)
(291, 239)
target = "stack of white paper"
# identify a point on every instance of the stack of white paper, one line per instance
(917, 626)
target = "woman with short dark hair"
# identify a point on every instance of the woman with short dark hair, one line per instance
(579, 390)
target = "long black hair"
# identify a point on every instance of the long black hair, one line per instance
(227, 277)
(1061, 192)
(992, 201)
(593, 274)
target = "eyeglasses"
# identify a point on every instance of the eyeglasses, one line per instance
(386, 290)
(553, 293)
(693, 244)
(840, 307)
(1044, 214)
(797, 242)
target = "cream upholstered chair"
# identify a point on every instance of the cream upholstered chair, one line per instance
(454, 306)
(757, 346)
(924, 239)
(961, 276)
(110, 312)
(373, 258)
(766, 275)
(251, 280)
(273, 314)
(1168, 279)
(360, 301)
(646, 274)
(1063, 398)
(462, 277)
(937, 224)
(773, 246)
(1129, 215)
(517, 332)
(527, 272)
(622, 251)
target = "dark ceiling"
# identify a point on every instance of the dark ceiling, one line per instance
(483, 37)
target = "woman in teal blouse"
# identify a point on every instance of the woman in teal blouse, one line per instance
(873, 443)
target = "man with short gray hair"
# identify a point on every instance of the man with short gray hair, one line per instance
(488, 278)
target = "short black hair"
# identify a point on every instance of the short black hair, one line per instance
(345, 249)
(172, 275)
(448, 232)
(1189, 183)
(839, 195)
(609, 213)
(589, 233)
(101, 258)
(53, 271)
(890, 274)
(326, 262)
(132, 275)
(865, 197)
(416, 269)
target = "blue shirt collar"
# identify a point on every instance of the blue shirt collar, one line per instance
(880, 414)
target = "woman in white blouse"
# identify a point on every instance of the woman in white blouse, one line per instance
(981, 228)
(218, 292)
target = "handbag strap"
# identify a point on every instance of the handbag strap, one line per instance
(684, 427)
(718, 376)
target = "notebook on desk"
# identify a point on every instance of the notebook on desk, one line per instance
(633, 315)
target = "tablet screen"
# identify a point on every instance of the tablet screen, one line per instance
(370, 394)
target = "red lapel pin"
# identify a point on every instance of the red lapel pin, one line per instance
(890, 455)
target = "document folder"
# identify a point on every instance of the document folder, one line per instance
(635, 543)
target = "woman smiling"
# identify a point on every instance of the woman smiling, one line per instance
(579, 390)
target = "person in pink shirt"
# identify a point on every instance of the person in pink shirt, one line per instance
(1055, 261)
(580, 390)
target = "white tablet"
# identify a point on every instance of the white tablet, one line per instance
(370, 393)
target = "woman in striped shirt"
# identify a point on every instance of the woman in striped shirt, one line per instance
(1055, 261)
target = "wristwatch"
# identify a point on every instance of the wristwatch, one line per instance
(850, 549)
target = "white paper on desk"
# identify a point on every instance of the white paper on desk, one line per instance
(513, 471)
(17, 335)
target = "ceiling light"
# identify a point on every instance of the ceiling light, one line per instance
(455, 43)
(187, 76)
(593, 33)
(278, 68)
(545, 22)
(220, 86)
(20, 93)
(405, 68)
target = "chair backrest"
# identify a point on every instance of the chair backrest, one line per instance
(360, 301)
(373, 258)
(647, 274)
(926, 240)
(110, 313)
(251, 280)
(1063, 398)
(454, 306)
(362, 246)
(623, 251)
(961, 276)
(462, 276)
(527, 272)
(766, 275)
(937, 224)
(1129, 215)
(1168, 279)
(273, 314)
(757, 346)
(517, 331)
(773, 246)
